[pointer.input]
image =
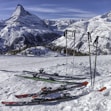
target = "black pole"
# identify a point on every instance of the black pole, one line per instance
(96, 45)
(91, 76)
(74, 32)
(65, 34)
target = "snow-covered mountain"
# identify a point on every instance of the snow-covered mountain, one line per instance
(59, 25)
(24, 29)
(97, 26)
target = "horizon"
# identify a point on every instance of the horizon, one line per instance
(57, 9)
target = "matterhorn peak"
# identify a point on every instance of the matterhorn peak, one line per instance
(20, 11)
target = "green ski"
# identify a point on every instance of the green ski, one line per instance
(50, 80)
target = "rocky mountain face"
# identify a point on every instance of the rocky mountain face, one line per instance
(97, 26)
(24, 29)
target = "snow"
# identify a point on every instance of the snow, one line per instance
(59, 25)
(39, 51)
(93, 101)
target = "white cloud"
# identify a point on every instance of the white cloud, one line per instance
(48, 5)
(8, 8)
(56, 10)
(86, 15)
(64, 12)
(45, 10)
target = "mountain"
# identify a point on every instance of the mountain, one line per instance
(24, 29)
(97, 26)
(59, 25)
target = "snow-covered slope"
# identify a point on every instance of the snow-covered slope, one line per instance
(59, 25)
(94, 101)
(24, 28)
(39, 51)
(97, 26)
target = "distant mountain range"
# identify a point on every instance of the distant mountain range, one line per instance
(23, 30)
(59, 26)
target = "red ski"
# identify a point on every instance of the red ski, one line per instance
(37, 101)
(102, 89)
(48, 90)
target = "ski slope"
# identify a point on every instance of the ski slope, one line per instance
(93, 101)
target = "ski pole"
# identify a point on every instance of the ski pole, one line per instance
(96, 45)
(65, 34)
(74, 48)
(89, 40)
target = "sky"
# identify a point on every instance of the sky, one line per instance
(57, 9)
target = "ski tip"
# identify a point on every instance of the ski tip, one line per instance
(21, 96)
(34, 97)
(43, 89)
(85, 83)
(8, 103)
(102, 89)
(3, 102)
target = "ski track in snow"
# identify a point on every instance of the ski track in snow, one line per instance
(94, 101)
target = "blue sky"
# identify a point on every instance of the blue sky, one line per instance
(54, 9)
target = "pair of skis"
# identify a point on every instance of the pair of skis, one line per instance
(50, 80)
(37, 101)
(44, 92)
(42, 73)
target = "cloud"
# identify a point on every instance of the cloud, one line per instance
(63, 12)
(87, 15)
(56, 10)
(48, 5)
(5, 9)
(43, 10)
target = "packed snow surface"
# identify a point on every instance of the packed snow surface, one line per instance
(92, 101)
